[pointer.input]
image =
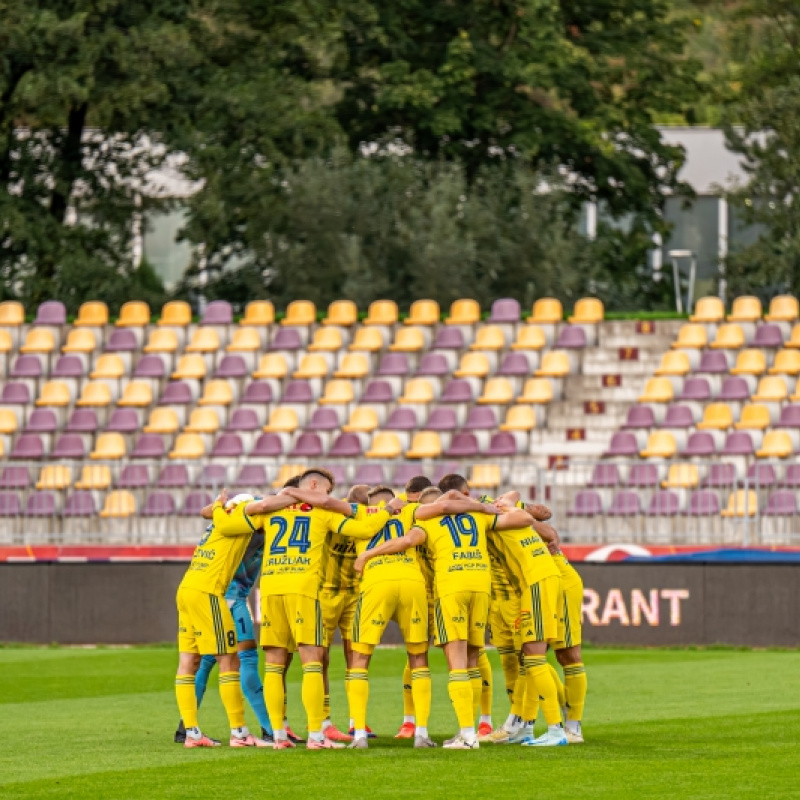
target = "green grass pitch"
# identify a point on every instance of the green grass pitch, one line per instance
(80, 723)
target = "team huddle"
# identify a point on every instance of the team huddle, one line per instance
(443, 566)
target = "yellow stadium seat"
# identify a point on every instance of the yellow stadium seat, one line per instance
(794, 340)
(691, 337)
(300, 312)
(408, 340)
(6, 345)
(202, 420)
(272, 365)
(485, 476)
(497, 391)
(190, 368)
(754, 418)
(741, 504)
(54, 476)
(362, 420)
(245, 340)
(674, 362)
(137, 394)
(367, 339)
(385, 445)
(176, 313)
(92, 314)
(39, 340)
(353, 366)
(424, 312)
(382, 312)
(657, 390)
(216, 393)
(745, 309)
(489, 337)
(326, 340)
(109, 366)
(682, 476)
(776, 444)
(8, 421)
(95, 394)
(473, 365)
(660, 444)
(530, 337)
(54, 393)
(337, 392)
(259, 312)
(133, 314)
(286, 473)
(188, 446)
(204, 340)
(750, 362)
(162, 341)
(313, 366)
(80, 341)
(519, 418)
(12, 314)
(282, 420)
(783, 308)
(787, 362)
(109, 447)
(162, 420)
(547, 311)
(708, 309)
(425, 444)
(464, 312)
(95, 477)
(536, 390)
(588, 311)
(417, 390)
(555, 364)
(343, 313)
(119, 504)
(771, 390)
(729, 337)
(716, 417)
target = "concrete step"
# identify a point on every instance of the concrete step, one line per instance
(625, 333)
(566, 414)
(598, 361)
(625, 388)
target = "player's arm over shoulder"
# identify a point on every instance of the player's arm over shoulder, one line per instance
(454, 503)
(513, 520)
(364, 528)
(412, 538)
(234, 523)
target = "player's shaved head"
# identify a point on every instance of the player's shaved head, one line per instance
(416, 485)
(358, 494)
(317, 478)
(380, 494)
(292, 483)
(454, 482)
(429, 495)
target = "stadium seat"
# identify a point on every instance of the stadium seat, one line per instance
(119, 503)
(191, 367)
(326, 340)
(369, 340)
(204, 340)
(424, 312)
(385, 445)
(417, 390)
(464, 312)
(660, 444)
(745, 309)
(425, 444)
(473, 365)
(657, 390)
(343, 313)
(39, 340)
(776, 444)
(754, 418)
(54, 476)
(783, 308)
(96, 477)
(536, 390)
(95, 394)
(137, 394)
(54, 393)
(286, 473)
(771, 390)
(787, 362)
(741, 503)
(109, 447)
(674, 362)
(177, 314)
(489, 337)
(682, 476)
(93, 314)
(572, 337)
(354, 366)
(162, 341)
(729, 337)
(587, 503)
(300, 312)
(162, 420)
(547, 311)
(448, 339)
(133, 314)
(108, 367)
(768, 337)
(201, 420)
(312, 366)
(258, 313)
(485, 476)
(245, 340)
(362, 420)
(272, 366)
(337, 392)
(282, 420)
(408, 340)
(218, 313)
(530, 337)
(499, 391)
(188, 446)
(588, 311)
(716, 417)
(708, 310)
(216, 393)
(506, 310)
(750, 362)
(691, 337)
(8, 421)
(12, 314)
(381, 312)
(80, 341)
(555, 364)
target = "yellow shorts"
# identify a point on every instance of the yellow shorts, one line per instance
(504, 619)
(406, 602)
(337, 612)
(290, 619)
(205, 624)
(462, 616)
(540, 611)
(572, 613)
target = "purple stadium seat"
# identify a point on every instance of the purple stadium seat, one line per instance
(678, 417)
(401, 419)
(121, 341)
(782, 503)
(370, 474)
(768, 336)
(587, 504)
(218, 312)
(15, 478)
(761, 476)
(502, 445)
(307, 445)
(176, 393)
(298, 391)
(41, 504)
(480, 418)
(463, 445)
(713, 362)
(790, 417)
(232, 366)
(212, 476)
(148, 445)
(150, 367)
(194, 503)
(448, 339)
(442, 468)
(158, 504)
(639, 417)
(323, 419)
(252, 476)
(663, 503)
(244, 419)
(701, 443)
(134, 476)
(738, 443)
(403, 473)
(287, 339)
(515, 365)
(68, 367)
(123, 420)
(52, 312)
(10, 505)
(720, 475)
(734, 390)
(378, 392)
(622, 444)
(257, 392)
(393, 364)
(505, 310)
(228, 445)
(338, 472)
(703, 503)
(28, 447)
(26, 367)
(457, 390)
(347, 445)
(791, 478)
(603, 476)
(15, 394)
(173, 476)
(643, 476)
(433, 365)
(68, 446)
(440, 419)
(572, 337)
(82, 420)
(268, 445)
(80, 504)
(42, 420)
(625, 504)
(695, 389)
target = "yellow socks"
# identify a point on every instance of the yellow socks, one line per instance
(477, 687)
(509, 660)
(540, 687)
(326, 706)
(313, 694)
(187, 699)
(562, 698)
(230, 692)
(460, 691)
(274, 695)
(487, 684)
(519, 693)
(575, 685)
(359, 697)
(421, 692)
(408, 695)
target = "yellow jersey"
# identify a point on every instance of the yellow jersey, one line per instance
(217, 555)
(459, 552)
(569, 575)
(504, 583)
(339, 558)
(525, 555)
